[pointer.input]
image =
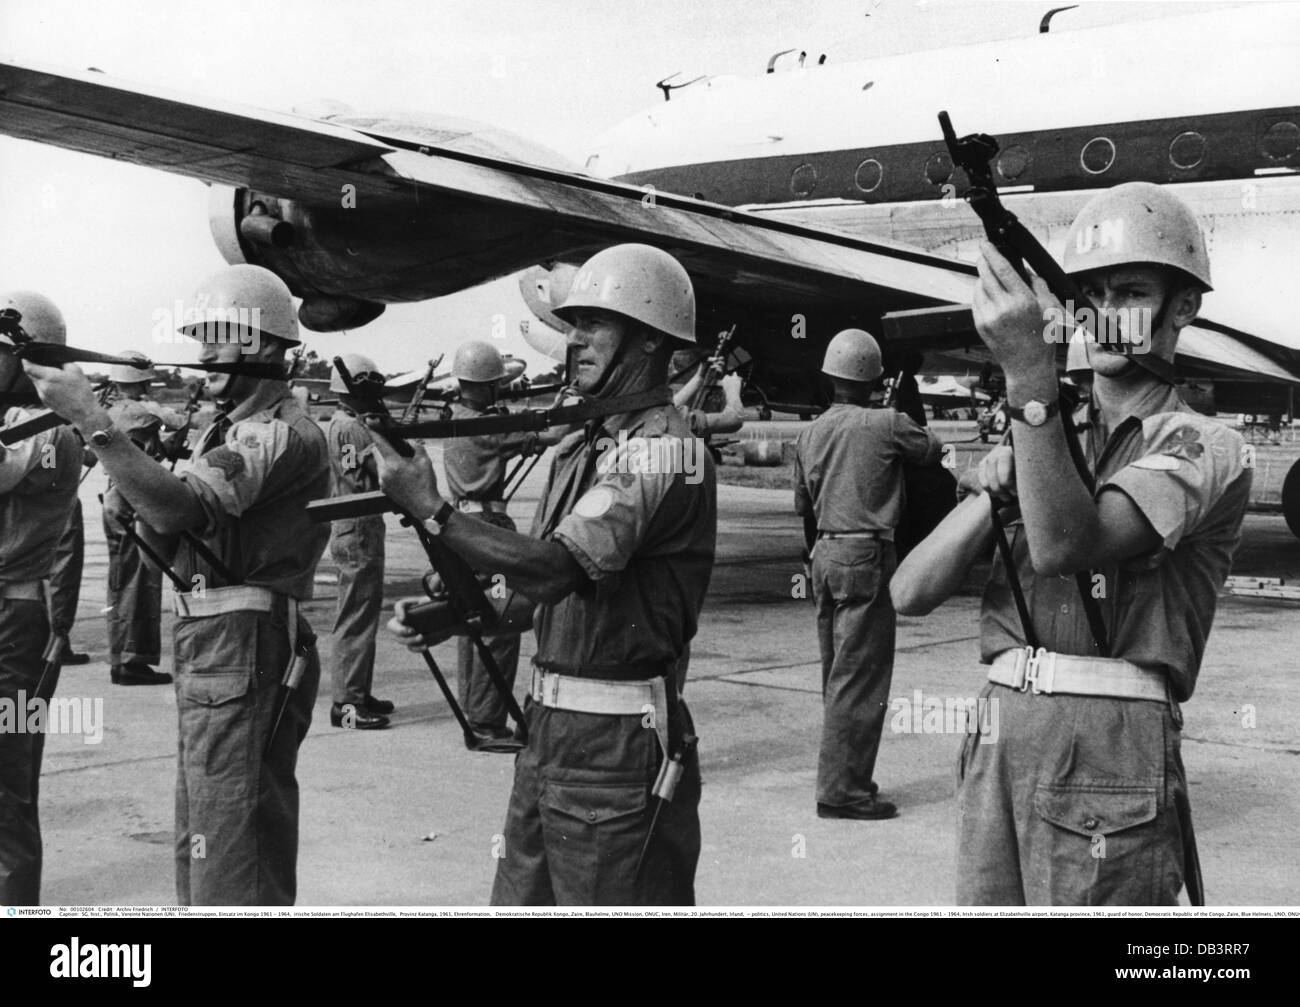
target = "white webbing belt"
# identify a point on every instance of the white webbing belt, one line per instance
(1046, 671)
(222, 600)
(604, 696)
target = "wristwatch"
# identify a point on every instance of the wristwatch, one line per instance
(440, 517)
(103, 438)
(1035, 413)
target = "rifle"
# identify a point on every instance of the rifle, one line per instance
(471, 605)
(417, 396)
(20, 345)
(717, 359)
(177, 447)
(973, 155)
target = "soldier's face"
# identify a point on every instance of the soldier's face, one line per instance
(1133, 295)
(595, 340)
(220, 352)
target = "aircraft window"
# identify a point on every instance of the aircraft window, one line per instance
(868, 176)
(803, 180)
(1013, 162)
(938, 168)
(1097, 156)
(1187, 150)
(1281, 141)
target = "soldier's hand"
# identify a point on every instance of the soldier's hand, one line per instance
(997, 474)
(68, 392)
(1012, 318)
(410, 482)
(436, 622)
(731, 386)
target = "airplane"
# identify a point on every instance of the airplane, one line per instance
(801, 201)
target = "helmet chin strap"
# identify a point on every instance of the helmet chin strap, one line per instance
(1157, 367)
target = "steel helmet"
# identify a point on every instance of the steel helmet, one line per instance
(640, 282)
(357, 366)
(125, 374)
(478, 361)
(41, 318)
(853, 355)
(240, 299)
(1137, 222)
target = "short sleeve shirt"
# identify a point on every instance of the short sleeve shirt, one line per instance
(476, 466)
(1189, 477)
(848, 467)
(38, 485)
(350, 444)
(254, 488)
(635, 503)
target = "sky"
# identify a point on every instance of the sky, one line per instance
(114, 243)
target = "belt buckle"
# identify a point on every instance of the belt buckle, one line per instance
(1037, 669)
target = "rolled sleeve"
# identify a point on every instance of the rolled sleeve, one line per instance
(1185, 470)
(230, 479)
(609, 521)
(914, 442)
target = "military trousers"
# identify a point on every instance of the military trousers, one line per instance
(580, 811)
(484, 706)
(1070, 800)
(65, 575)
(855, 629)
(357, 547)
(134, 593)
(24, 631)
(236, 809)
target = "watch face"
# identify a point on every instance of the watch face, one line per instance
(1035, 414)
(100, 438)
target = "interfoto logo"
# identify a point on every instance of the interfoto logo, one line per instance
(61, 715)
(102, 961)
(209, 324)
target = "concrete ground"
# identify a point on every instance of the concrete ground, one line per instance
(408, 817)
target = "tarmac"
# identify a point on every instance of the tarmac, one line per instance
(408, 817)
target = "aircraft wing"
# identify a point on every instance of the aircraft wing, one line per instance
(751, 258)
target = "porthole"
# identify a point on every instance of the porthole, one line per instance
(1097, 156)
(1187, 150)
(803, 180)
(869, 174)
(1014, 162)
(1280, 141)
(938, 168)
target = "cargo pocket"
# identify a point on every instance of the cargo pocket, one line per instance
(593, 835)
(216, 662)
(1099, 845)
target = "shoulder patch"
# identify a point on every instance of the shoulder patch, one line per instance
(229, 463)
(594, 503)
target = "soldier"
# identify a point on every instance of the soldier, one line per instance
(476, 478)
(617, 564)
(357, 547)
(134, 595)
(65, 581)
(1083, 798)
(848, 490)
(242, 502)
(38, 485)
